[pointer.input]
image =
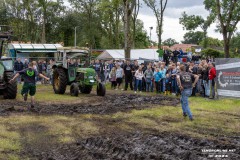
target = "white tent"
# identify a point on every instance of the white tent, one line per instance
(150, 54)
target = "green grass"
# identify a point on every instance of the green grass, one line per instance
(213, 119)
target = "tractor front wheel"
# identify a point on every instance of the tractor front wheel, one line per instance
(59, 81)
(101, 90)
(74, 90)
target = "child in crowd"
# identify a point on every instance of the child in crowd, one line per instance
(138, 82)
(157, 77)
(163, 79)
(112, 77)
(119, 76)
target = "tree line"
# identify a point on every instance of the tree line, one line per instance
(113, 24)
(98, 24)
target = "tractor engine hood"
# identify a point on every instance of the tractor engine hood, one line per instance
(86, 71)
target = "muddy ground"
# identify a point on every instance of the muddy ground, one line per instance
(131, 146)
(114, 144)
(107, 105)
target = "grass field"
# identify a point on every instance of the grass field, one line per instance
(214, 119)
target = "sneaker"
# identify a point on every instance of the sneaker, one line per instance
(191, 119)
(25, 97)
(122, 89)
(174, 94)
(184, 114)
(135, 92)
(32, 105)
(116, 89)
(140, 91)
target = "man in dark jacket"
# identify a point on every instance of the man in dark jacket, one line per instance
(18, 66)
(128, 68)
(175, 55)
(166, 57)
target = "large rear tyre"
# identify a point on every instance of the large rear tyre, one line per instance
(11, 90)
(86, 89)
(59, 81)
(101, 90)
(74, 90)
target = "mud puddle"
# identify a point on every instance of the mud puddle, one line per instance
(136, 147)
(107, 105)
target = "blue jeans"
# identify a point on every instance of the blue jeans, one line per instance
(184, 101)
(174, 85)
(138, 84)
(212, 88)
(148, 85)
(163, 85)
(206, 87)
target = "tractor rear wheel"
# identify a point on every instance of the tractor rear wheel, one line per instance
(74, 90)
(86, 89)
(59, 81)
(11, 90)
(101, 90)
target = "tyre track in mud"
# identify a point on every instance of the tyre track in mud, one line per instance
(137, 147)
(108, 105)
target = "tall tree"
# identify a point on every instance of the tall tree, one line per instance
(43, 4)
(192, 22)
(213, 43)
(128, 6)
(235, 43)
(170, 42)
(89, 10)
(227, 13)
(193, 37)
(134, 19)
(158, 12)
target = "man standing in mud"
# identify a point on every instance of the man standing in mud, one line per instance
(29, 86)
(186, 84)
(128, 68)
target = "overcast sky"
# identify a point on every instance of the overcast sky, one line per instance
(171, 26)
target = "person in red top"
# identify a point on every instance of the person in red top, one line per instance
(211, 76)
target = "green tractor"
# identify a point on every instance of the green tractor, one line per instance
(8, 90)
(78, 77)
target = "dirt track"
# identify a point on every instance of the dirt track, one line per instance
(133, 147)
(114, 144)
(108, 105)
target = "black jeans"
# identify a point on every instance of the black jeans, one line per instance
(128, 79)
(157, 85)
(114, 84)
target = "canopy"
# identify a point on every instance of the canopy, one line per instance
(34, 48)
(150, 54)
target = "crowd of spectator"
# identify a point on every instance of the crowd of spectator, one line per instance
(158, 76)
(152, 76)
